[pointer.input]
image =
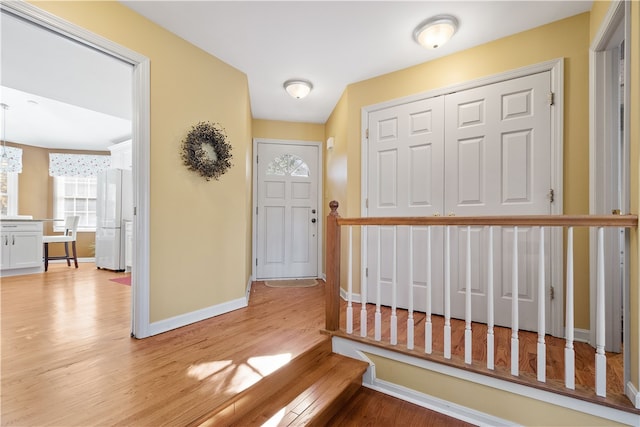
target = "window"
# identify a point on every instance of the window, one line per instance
(288, 165)
(8, 193)
(75, 195)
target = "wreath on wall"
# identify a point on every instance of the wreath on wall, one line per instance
(205, 150)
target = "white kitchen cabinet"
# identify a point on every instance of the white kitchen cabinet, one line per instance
(121, 155)
(21, 247)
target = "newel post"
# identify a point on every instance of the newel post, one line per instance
(332, 316)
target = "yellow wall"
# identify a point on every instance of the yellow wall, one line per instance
(518, 409)
(568, 38)
(295, 131)
(199, 234)
(35, 195)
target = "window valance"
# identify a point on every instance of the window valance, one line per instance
(14, 159)
(77, 164)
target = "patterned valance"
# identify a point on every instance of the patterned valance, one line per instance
(77, 164)
(13, 160)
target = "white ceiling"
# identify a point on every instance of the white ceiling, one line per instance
(330, 43)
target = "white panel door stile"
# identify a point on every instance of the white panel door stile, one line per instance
(287, 235)
(481, 151)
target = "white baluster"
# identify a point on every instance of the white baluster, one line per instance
(467, 303)
(542, 352)
(364, 282)
(515, 349)
(447, 294)
(350, 284)
(428, 326)
(601, 358)
(394, 292)
(490, 321)
(410, 321)
(569, 352)
(378, 316)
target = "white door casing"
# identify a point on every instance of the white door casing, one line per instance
(288, 221)
(609, 169)
(487, 129)
(141, 326)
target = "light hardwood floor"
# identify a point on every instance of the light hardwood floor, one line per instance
(68, 360)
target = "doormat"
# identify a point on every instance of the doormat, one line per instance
(291, 283)
(126, 280)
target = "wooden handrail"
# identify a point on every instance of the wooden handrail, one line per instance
(514, 220)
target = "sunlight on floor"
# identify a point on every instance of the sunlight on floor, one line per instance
(204, 370)
(267, 364)
(275, 420)
(237, 378)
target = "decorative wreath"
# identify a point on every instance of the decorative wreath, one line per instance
(205, 150)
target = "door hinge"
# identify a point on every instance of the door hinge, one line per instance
(366, 133)
(256, 210)
(366, 272)
(366, 203)
(551, 98)
(256, 159)
(135, 210)
(256, 262)
(552, 195)
(552, 293)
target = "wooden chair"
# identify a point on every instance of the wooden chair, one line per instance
(69, 236)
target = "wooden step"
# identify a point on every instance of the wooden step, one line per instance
(309, 390)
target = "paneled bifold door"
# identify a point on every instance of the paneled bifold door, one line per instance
(481, 151)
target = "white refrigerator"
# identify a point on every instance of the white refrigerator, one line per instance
(114, 206)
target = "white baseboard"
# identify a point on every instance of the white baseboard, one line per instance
(633, 395)
(195, 316)
(581, 335)
(83, 260)
(354, 297)
(356, 350)
(247, 294)
(438, 405)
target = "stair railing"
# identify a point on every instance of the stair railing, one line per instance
(568, 222)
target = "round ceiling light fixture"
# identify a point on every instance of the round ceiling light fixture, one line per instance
(298, 88)
(436, 31)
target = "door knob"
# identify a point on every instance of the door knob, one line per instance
(313, 220)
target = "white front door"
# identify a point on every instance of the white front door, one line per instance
(482, 151)
(287, 211)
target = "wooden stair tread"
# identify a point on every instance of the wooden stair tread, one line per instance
(312, 398)
(245, 401)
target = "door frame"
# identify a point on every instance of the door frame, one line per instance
(254, 221)
(140, 145)
(556, 69)
(600, 171)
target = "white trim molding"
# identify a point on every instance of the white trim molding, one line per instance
(196, 316)
(358, 350)
(141, 145)
(634, 396)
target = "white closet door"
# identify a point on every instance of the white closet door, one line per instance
(498, 152)
(405, 178)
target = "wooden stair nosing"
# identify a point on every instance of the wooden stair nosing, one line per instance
(313, 394)
(330, 394)
(243, 402)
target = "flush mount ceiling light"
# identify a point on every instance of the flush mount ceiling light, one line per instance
(436, 31)
(298, 88)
